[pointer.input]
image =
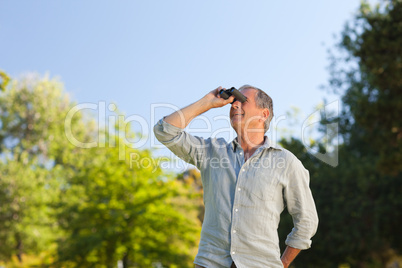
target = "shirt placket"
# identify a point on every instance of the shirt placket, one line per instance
(235, 228)
(235, 211)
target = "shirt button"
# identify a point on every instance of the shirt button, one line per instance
(236, 210)
(243, 169)
(239, 189)
(240, 153)
(233, 252)
(234, 231)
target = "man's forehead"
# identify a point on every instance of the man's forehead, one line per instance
(249, 92)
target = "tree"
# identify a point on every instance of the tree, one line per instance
(116, 210)
(372, 80)
(30, 114)
(191, 179)
(353, 200)
(127, 210)
(84, 206)
(371, 127)
(358, 201)
(4, 80)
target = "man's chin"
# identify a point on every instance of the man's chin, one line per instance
(236, 125)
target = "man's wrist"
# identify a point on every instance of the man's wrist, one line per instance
(206, 103)
(289, 255)
(285, 262)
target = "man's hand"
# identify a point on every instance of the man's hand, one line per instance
(289, 255)
(214, 99)
(183, 117)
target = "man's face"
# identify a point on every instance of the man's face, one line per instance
(246, 115)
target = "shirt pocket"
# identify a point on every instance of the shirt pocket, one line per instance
(264, 183)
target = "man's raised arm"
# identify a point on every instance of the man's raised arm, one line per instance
(169, 131)
(184, 116)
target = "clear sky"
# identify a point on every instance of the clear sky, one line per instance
(138, 53)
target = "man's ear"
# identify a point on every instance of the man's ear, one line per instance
(265, 114)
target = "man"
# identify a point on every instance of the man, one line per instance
(247, 184)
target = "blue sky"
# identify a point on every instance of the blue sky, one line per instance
(138, 53)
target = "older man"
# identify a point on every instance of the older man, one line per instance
(247, 184)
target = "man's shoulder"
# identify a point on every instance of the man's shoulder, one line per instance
(289, 157)
(285, 152)
(218, 142)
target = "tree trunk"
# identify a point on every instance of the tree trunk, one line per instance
(19, 248)
(125, 260)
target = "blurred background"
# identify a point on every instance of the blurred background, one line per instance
(83, 182)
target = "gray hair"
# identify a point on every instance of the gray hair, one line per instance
(263, 100)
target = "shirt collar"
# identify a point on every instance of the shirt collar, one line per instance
(266, 145)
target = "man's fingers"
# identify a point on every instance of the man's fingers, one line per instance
(216, 91)
(230, 100)
(221, 101)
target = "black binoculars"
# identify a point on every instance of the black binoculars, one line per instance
(225, 94)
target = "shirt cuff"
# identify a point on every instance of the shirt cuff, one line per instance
(298, 243)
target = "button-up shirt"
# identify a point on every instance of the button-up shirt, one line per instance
(244, 199)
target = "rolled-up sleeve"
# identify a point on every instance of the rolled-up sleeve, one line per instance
(301, 206)
(189, 148)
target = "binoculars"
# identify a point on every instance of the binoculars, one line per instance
(225, 94)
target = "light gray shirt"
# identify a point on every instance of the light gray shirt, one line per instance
(244, 200)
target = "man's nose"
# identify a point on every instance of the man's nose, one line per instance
(236, 104)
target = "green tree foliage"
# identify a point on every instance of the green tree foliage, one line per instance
(125, 210)
(84, 206)
(192, 181)
(358, 208)
(30, 116)
(4, 80)
(372, 80)
(26, 221)
(359, 202)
